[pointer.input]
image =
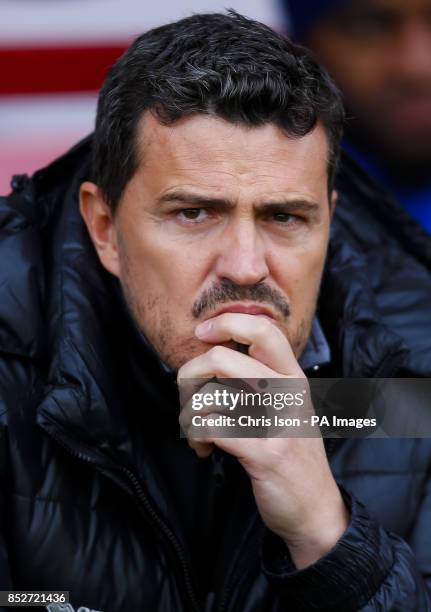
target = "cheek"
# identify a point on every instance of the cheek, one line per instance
(300, 271)
(304, 284)
(162, 286)
(157, 270)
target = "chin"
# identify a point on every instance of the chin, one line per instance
(299, 341)
(176, 356)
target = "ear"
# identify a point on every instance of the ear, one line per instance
(99, 220)
(333, 203)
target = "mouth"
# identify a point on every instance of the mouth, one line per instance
(250, 309)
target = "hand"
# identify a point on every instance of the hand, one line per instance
(293, 486)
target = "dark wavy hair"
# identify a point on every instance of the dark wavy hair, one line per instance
(216, 64)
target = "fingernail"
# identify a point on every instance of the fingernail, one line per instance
(203, 328)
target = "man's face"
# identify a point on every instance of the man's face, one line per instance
(379, 53)
(221, 217)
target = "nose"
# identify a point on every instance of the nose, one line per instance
(242, 256)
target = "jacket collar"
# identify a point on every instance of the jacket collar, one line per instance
(362, 345)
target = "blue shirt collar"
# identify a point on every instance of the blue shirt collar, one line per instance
(317, 352)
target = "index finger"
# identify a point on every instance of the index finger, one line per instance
(267, 343)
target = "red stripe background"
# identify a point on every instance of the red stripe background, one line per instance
(56, 69)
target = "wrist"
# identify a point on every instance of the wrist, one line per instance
(365, 551)
(319, 535)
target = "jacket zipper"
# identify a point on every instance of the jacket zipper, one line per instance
(144, 505)
(238, 571)
(224, 601)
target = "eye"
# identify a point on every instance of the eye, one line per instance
(284, 218)
(195, 215)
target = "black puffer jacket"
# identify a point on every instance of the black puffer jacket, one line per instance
(398, 260)
(88, 417)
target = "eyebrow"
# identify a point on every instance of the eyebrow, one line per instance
(195, 199)
(297, 204)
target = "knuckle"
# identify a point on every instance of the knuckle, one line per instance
(217, 356)
(182, 373)
(262, 329)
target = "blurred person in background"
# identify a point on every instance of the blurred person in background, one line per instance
(379, 53)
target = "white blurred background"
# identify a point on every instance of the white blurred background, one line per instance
(53, 56)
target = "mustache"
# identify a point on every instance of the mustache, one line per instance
(228, 291)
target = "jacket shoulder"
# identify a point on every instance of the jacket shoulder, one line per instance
(27, 215)
(397, 254)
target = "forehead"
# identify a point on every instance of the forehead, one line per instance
(210, 152)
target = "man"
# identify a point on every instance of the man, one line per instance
(200, 227)
(379, 52)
